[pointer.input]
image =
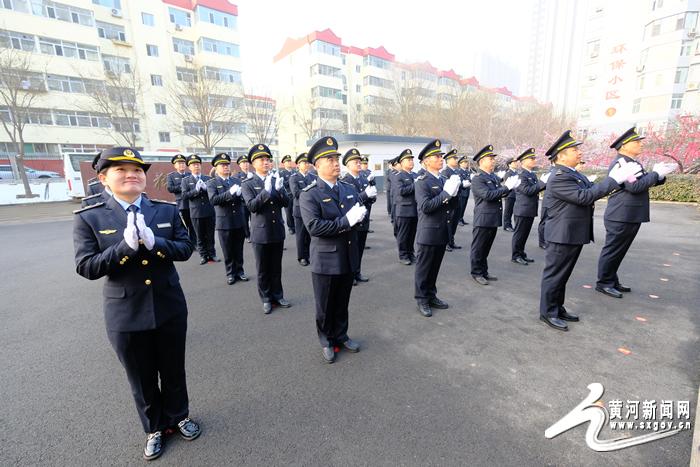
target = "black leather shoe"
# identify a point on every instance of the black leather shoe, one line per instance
(354, 282)
(292, 232)
(283, 303)
(623, 288)
(267, 308)
(480, 280)
(424, 309)
(448, 248)
(361, 278)
(556, 323)
(154, 446)
(566, 316)
(328, 354)
(407, 262)
(609, 291)
(367, 247)
(462, 223)
(509, 229)
(243, 277)
(304, 262)
(455, 247)
(351, 346)
(203, 261)
(529, 260)
(370, 231)
(189, 430)
(439, 304)
(520, 261)
(491, 278)
(231, 280)
(543, 246)
(215, 259)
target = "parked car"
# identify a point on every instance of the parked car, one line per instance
(6, 173)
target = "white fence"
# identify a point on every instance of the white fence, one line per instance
(47, 189)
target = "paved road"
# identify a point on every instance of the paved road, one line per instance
(477, 384)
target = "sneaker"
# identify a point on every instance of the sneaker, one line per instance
(154, 446)
(189, 430)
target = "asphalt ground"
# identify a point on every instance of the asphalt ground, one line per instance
(476, 384)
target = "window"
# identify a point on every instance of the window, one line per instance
(216, 17)
(156, 80)
(17, 40)
(110, 31)
(148, 19)
(126, 125)
(676, 101)
(681, 76)
(182, 46)
(179, 17)
(381, 82)
(326, 70)
(328, 114)
(222, 74)
(691, 20)
(593, 49)
(358, 88)
(84, 119)
(358, 107)
(71, 84)
(357, 68)
(371, 60)
(686, 48)
(325, 48)
(116, 64)
(322, 91)
(186, 75)
(655, 29)
(152, 50)
(160, 109)
(53, 10)
(635, 105)
(109, 3)
(67, 49)
(164, 136)
(192, 128)
(220, 47)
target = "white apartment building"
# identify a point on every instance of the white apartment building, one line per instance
(78, 44)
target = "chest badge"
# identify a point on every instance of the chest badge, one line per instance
(107, 231)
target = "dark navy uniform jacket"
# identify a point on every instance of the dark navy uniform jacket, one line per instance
(446, 173)
(198, 199)
(360, 183)
(464, 174)
(404, 194)
(285, 174)
(297, 182)
(228, 207)
(265, 208)
(433, 210)
(333, 242)
(487, 190)
(174, 186)
(94, 187)
(142, 288)
(570, 206)
(631, 204)
(509, 173)
(527, 194)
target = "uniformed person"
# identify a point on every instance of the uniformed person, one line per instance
(433, 195)
(543, 213)
(285, 172)
(364, 164)
(245, 173)
(626, 210)
(368, 195)
(98, 195)
(194, 190)
(390, 171)
(569, 223)
(406, 218)
(525, 208)
(452, 168)
(94, 187)
(133, 242)
(331, 209)
(488, 192)
(174, 186)
(297, 182)
(265, 196)
(225, 195)
(509, 200)
(466, 175)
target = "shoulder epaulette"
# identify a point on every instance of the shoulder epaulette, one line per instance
(346, 183)
(247, 179)
(421, 177)
(162, 201)
(92, 196)
(309, 186)
(93, 181)
(558, 172)
(92, 206)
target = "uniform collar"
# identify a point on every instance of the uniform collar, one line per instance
(126, 205)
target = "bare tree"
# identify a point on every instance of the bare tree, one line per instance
(19, 88)
(209, 110)
(307, 116)
(115, 98)
(261, 119)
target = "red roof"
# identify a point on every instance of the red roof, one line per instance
(259, 98)
(379, 52)
(469, 81)
(218, 5)
(449, 74)
(290, 45)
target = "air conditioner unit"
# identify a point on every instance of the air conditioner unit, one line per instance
(692, 33)
(693, 86)
(640, 68)
(178, 27)
(188, 58)
(592, 78)
(116, 13)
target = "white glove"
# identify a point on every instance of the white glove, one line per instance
(466, 183)
(624, 171)
(592, 178)
(250, 175)
(356, 214)
(201, 185)
(501, 174)
(370, 177)
(512, 182)
(235, 190)
(268, 183)
(279, 183)
(145, 232)
(544, 177)
(664, 168)
(131, 237)
(452, 185)
(371, 191)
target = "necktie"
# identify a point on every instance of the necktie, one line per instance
(135, 209)
(335, 190)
